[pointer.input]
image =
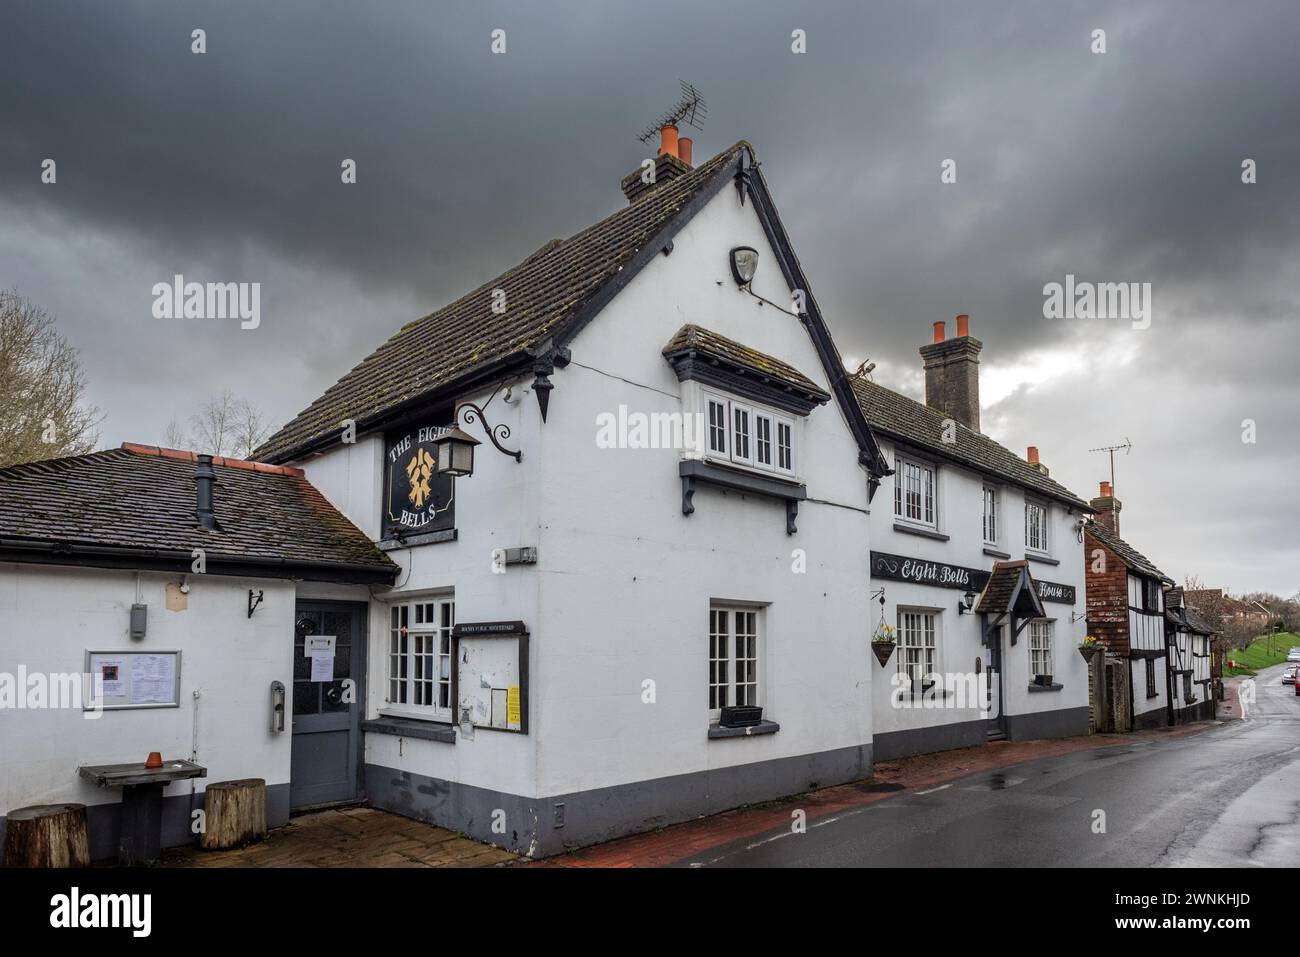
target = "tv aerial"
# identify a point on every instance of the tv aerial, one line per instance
(1112, 449)
(689, 108)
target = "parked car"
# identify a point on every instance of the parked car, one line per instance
(1293, 654)
(1288, 674)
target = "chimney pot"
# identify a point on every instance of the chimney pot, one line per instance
(963, 325)
(939, 331)
(684, 145)
(668, 139)
(1106, 490)
(1032, 456)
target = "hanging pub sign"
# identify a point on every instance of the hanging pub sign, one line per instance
(923, 571)
(417, 498)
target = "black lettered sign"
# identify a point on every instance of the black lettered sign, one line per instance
(925, 572)
(417, 498)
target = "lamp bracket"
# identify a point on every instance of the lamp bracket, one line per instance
(495, 433)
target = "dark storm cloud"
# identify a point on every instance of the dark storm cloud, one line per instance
(1118, 167)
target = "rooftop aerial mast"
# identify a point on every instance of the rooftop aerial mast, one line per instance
(689, 109)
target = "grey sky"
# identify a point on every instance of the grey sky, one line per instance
(1116, 167)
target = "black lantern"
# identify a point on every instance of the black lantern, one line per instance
(455, 452)
(967, 602)
(744, 263)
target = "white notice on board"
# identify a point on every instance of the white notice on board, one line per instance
(153, 679)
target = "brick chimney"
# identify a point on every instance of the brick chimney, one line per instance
(952, 374)
(1031, 456)
(1107, 507)
(673, 160)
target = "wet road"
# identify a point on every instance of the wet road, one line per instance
(1229, 796)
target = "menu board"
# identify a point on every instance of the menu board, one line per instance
(133, 679)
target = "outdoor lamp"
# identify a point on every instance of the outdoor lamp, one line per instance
(967, 603)
(454, 451)
(744, 263)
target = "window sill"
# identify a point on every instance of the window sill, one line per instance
(994, 553)
(1039, 557)
(1052, 687)
(923, 532)
(411, 728)
(1152, 694)
(424, 538)
(763, 727)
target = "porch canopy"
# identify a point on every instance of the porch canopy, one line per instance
(1009, 596)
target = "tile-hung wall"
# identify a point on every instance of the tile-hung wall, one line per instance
(935, 511)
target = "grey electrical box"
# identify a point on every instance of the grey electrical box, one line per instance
(521, 556)
(139, 613)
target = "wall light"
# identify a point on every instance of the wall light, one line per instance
(744, 263)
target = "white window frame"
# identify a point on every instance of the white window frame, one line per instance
(902, 463)
(992, 514)
(1046, 539)
(745, 455)
(919, 635)
(1042, 653)
(418, 659)
(726, 658)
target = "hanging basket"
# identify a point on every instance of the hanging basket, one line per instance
(884, 650)
(1089, 652)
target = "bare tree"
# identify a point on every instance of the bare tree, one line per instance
(43, 412)
(226, 425)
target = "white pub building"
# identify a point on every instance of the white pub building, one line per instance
(445, 590)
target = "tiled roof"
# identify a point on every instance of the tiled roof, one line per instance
(693, 337)
(466, 337)
(140, 497)
(916, 424)
(1129, 555)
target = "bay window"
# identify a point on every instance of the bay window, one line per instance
(749, 435)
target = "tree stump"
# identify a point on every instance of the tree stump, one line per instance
(47, 835)
(234, 814)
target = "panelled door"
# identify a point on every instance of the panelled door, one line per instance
(997, 723)
(326, 763)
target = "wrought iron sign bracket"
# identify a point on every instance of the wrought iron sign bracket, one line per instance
(495, 433)
(253, 601)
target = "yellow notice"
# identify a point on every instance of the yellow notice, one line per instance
(512, 706)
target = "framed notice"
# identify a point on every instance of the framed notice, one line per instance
(123, 680)
(492, 674)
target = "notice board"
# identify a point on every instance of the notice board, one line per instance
(492, 674)
(135, 679)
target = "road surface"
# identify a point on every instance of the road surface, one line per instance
(1229, 796)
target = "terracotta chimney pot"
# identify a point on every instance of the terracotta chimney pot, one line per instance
(963, 325)
(1033, 455)
(668, 139)
(684, 145)
(939, 331)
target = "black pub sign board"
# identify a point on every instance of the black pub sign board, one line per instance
(416, 498)
(924, 572)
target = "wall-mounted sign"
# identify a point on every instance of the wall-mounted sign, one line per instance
(925, 572)
(417, 498)
(479, 629)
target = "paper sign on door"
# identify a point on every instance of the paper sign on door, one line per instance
(320, 649)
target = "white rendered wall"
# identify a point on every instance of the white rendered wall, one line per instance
(960, 510)
(50, 616)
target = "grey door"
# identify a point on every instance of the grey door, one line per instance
(325, 767)
(997, 721)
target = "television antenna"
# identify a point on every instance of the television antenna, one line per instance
(1112, 449)
(689, 108)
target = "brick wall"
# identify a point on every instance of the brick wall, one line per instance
(1107, 596)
